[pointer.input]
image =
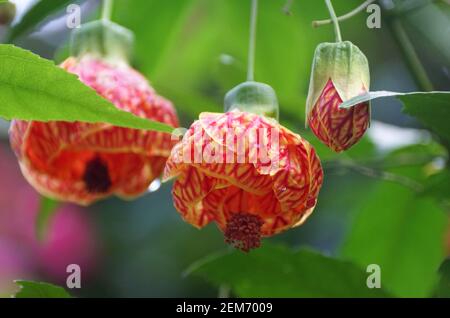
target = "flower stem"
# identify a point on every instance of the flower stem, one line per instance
(413, 60)
(224, 291)
(349, 165)
(345, 16)
(287, 7)
(107, 9)
(252, 41)
(337, 30)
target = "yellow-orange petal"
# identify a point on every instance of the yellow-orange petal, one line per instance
(281, 192)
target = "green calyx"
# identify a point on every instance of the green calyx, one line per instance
(253, 97)
(345, 65)
(103, 39)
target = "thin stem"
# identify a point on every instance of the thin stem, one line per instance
(337, 30)
(107, 9)
(345, 16)
(252, 41)
(416, 66)
(224, 291)
(287, 7)
(377, 174)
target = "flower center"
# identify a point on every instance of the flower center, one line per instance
(96, 176)
(243, 231)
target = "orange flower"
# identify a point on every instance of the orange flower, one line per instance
(83, 162)
(247, 173)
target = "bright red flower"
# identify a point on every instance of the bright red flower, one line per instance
(82, 162)
(248, 196)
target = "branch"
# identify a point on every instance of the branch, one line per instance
(287, 7)
(346, 16)
(378, 174)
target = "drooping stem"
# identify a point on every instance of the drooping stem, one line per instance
(349, 165)
(413, 60)
(252, 41)
(337, 29)
(107, 9)
(287, 7)
(345, 16)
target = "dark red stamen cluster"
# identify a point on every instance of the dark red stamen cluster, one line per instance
(96, 176)
(243, 231)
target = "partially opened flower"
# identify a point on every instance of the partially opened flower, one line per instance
(244, 171)
(340, 71)
(241, 169)
(83, 162)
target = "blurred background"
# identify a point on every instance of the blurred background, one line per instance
(385, 201)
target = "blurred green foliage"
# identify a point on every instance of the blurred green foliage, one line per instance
(443, 289)
(277, 271)
(29, 289)
(400, 231)
(39, 12)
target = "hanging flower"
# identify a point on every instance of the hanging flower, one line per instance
(340, 71)
(83, 162)
(245, 172)
(242, 169)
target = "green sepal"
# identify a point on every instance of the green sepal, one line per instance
(104, 39)
(253, 97)
(345, 65)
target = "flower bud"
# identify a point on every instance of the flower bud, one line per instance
(340, 71)
(7, 13)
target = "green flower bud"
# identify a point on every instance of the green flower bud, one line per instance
(7, 13)
(340, 71)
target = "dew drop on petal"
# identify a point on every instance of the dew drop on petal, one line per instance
(154, 186)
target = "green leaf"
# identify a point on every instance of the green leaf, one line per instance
(40, 11)
(33, 88)
(47, 209)
(438, 185)
(29, 289)
(401, 232)
(431, 108)
(277, 271)
(443, 289)
(379, 94)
